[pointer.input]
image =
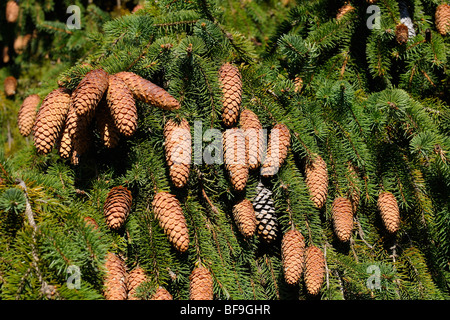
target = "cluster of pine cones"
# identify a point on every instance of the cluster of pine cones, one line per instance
(101, 98)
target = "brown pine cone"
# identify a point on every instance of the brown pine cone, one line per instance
(89, 92)
(65, 144)
(10, 86)
(134, 280)
(292, 254)
(231, 84)
(354, 192)
(390, 214)
(245, 217)
(254, 141)
(27, 114)
(91, 222)
(50, 119)
(277, 149)
(12, 11)
(162, 294)
(177, 141)
(117, 207)
(343, 10)
(21, 42)
(122, 106)
(106, 127)
(77, 135)
(342, 216)
(201, 284)
(234, 156)
(317, 180)
(116, 278)
(442, 18)
(170, 216)
(149, 92)
(401, 33)
(314, 269)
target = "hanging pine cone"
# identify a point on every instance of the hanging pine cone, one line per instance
(390, 214)
(342, 216)
(177, 140)
(89, 221)
(65, 144)
(292, 255)
(89, 92)
(21, 42)
(149, 92)
(106, 127)
(245, 218)
(12, 11)
(249, 122)
(161, 294)
(170, 216)
(27, 114)
(343, 10)
(317, 180)
(121, 105)
(117, 207)
(231, 84)
(50, 119)
(235, 157)
(201, 284)
(314, 269)
(401, 33)
(77, 135)
(116, 278)
(10, 86)
(277, 148)
(267, 223)
(135, 278)
(442, 18)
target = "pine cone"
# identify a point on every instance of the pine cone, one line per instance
(106, 127)
(27, 114)
(10, 85)
(89, 92)
(245, 218)
(401, 33)
(77, 135)
(134, 280)
(342, 216)
(117, 207)
(149, 92)
(442, 17)
(91, 222)
(65, 144)
(177, 137)
(343, 10)
(235, 157)
(390, 214)
(50, 119)
(12, 11)
(122, 106)
(292, 254)
(162, 294)
(201, 284)
(314, 269)
(317, 180)
(277, 148)
(168, 211)
(231, 84)
(267, 223)
(116, 278)
(249, 122)
(21, 42)
(5, 55)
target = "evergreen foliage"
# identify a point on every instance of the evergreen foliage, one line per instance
(375, 110)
